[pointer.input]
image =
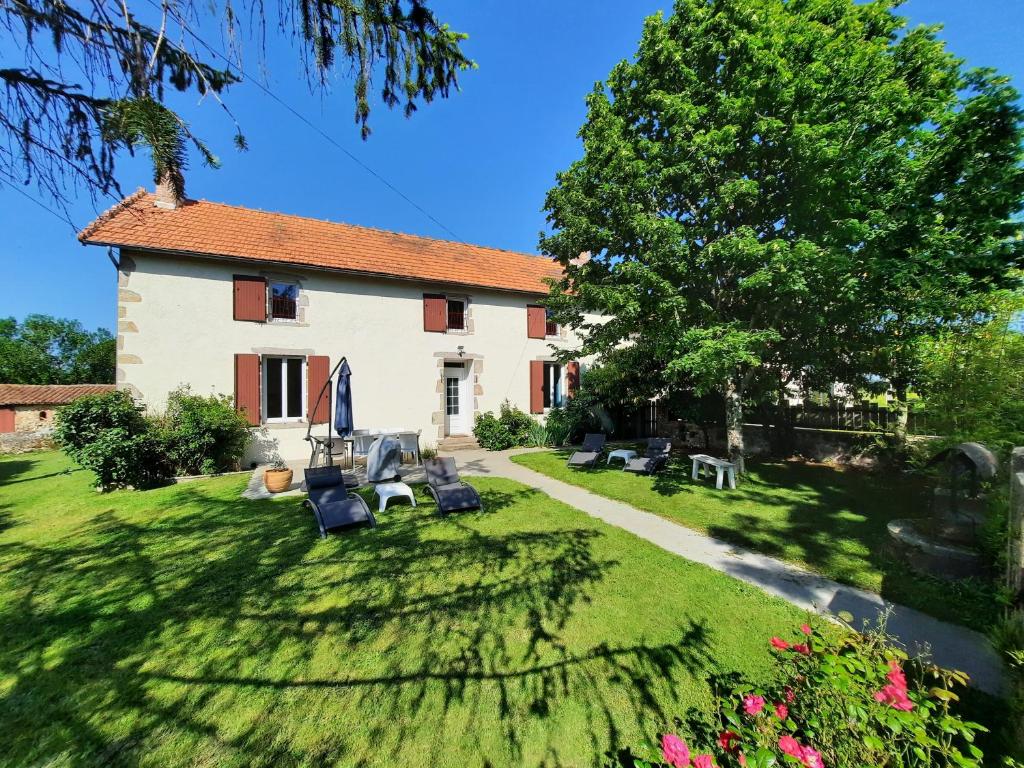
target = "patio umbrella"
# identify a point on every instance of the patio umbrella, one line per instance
(343, 402)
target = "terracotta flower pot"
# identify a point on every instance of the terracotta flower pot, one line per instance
(277, 480)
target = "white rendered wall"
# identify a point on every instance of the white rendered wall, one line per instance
(176, 327)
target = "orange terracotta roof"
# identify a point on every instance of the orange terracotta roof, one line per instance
(48, 394)
(214, 229)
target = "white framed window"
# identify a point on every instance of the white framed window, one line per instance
(284, 388)
(283, 298)
(553, 385)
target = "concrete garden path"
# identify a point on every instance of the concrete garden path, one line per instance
(950, 645)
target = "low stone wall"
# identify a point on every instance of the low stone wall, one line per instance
(15, 442)
(815, 444)
(822, 445)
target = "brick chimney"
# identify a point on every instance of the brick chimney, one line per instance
(165, 195)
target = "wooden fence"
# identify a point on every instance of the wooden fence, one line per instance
(864, 417)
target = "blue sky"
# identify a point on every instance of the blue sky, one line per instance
(479, 162)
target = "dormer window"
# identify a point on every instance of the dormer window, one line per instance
(284, 300)
(456, 315)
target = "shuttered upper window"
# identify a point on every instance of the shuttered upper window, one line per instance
(536, 322)
(550, 326)
(250, 298)
(456, 315)
(284, 301)
(435, 313)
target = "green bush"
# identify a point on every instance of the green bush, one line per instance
(202, 435)
(511, 428)
(108, 435)
(841, 700)
(538, 436)
(560, 425)
(123, 460)
(82, 422)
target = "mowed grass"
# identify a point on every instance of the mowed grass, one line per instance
(829, 519)
(185, 626)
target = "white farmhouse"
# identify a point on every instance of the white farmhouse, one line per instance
(262, 305)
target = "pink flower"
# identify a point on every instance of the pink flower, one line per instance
(790, 746)
(753, 704)
(779, 643)
(781, 711)
(896, 676)
(811, 758)
(790, 696)
(742, 759)
(802, 648)
(806, 629)
(675, 751)
(895, 697)
(703, 761)
(726, 740)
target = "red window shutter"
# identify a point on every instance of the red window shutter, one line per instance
(572, 378)
(318, 368)
(247, 386)
(435, 313)
(536, 322)
(6, 420)
(536, 386)
(250, 298)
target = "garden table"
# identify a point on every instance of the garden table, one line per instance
(701, 462)
(390, 491)
(622, 453)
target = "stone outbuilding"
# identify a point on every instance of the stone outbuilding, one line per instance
(27, 410)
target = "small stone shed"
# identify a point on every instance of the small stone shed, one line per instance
(27, 409)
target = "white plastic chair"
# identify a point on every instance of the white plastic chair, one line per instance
(361, 444)
(410, 442)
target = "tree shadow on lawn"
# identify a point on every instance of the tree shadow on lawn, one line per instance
(12, 468)
(833, 520)
(233, 632)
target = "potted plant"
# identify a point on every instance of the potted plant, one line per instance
(277, 477)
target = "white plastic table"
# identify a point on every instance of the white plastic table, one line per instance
(702, 461)
(622, 453)
(390, 491)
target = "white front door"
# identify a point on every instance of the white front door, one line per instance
(458, 403)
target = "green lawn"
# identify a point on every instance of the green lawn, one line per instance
(828, 519)
(185, 626)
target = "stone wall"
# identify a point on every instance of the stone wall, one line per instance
(1015, 574)
(815, 444)
(33, 418)
(823, 445)
(15, 442)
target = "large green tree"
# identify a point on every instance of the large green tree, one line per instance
(82, 81)
(769, 181)
(50, 350)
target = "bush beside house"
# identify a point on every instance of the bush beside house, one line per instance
(202, 435)
(110, 436)
(511, 428)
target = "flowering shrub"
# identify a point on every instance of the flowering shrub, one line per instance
(840, 702)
